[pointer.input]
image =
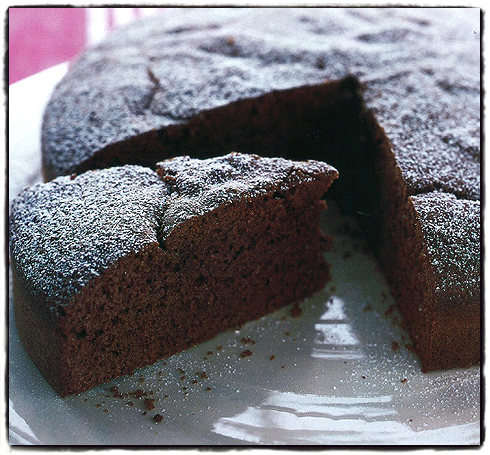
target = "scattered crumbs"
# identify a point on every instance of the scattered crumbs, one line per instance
(209, 353)
(203, 375)
(195, 381)
(165, 396)
(150, 404)
(404, 380)
(282, 366)
(247, 340)
(208, 388)
(105, 410)
(204, 358)
(272, 357)
(347, 255)
(296, 311)
(98, 405)
(141, 379)
(85, 399)
(157, 418)
(182, 377)
(160, 373)
(395, 346)
(333, 288)
(130, 403)
(116, 393)
(246, 353)
(139, 393)
(367, 307)
(363, 377)
(184, 388)
(73, 176)
(230, 41)
(219, 348)
(287, 333)
(145, 412)
(180, 370)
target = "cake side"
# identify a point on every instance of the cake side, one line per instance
(430, 253)
(239, 258)
(65, 233)
(250, 125)
(455, 263)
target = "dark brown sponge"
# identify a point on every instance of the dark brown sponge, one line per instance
(118, 268)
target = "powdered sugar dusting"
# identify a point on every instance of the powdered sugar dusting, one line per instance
(421, 67)
(66, 232)
(451, 229)
(199, 186)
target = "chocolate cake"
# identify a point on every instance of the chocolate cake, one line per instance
(286, 82)
(117, 268)
(203, 82)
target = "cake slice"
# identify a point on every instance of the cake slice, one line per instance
(115, 269)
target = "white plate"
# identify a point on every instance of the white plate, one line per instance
(338, 374)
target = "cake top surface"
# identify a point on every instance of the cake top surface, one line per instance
(64, 232)
(451, 229)
(421, 67)
(68, 231)
(199, 186)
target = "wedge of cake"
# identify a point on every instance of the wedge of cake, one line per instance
(115, 269)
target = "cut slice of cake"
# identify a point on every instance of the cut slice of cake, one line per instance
(115, 269)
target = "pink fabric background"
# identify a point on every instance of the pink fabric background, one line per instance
(42, 37)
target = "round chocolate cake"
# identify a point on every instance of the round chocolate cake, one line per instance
(390, 97)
